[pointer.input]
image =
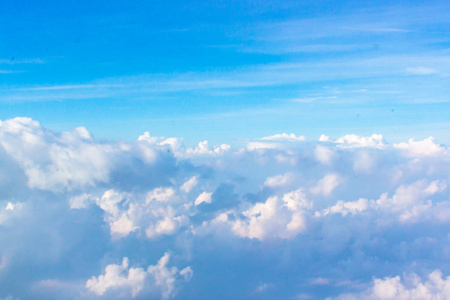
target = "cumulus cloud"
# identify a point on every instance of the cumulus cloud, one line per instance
(275, 141)
(274, 217)
(55, 161)
(189, 184)
(279, 180)
(335, 213)
(284, 137)
(410, 286)
(345, 208)
(122, 278)
(427, 147)
(114, 278)
(204, 197)
(204, 148)
(326, 185)
(356, 141)
(323, 154)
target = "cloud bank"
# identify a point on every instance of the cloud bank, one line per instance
(281, 217)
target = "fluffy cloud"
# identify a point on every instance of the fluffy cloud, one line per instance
(122, 278)
(56, 161)
(355, 141)
(278, 180)
(280, 213)
(427, 147)
(284, 137)
(203, 198)
(203, 148)
(276, 141)
(189, 185)
(326, 185)
(274, 218)
(323, 154)
(344, 208)
(411, 287)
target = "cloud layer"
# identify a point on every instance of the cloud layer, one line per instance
(281, 217)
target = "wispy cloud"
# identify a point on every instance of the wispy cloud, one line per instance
(420, 71)
(251, 79)
(311, 99)
(14, 61)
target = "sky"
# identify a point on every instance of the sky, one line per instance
(224, 150)
(228, 71)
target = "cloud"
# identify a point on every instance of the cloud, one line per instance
(345, 210)
(420, 71)
(122, 277)
(279, 180)
(203, 148)
(276, 141)
(323, 154)
(274, 218)
(355, 141)
(326, 185)
(411, 286)
(165, 277)
(426, 147)
(284, 137)
(189, 185)
(13, 61)
(204, 197)
(114, 278)
(55, 162)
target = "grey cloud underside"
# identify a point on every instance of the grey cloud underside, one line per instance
(348, 218)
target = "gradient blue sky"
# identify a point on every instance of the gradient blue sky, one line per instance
(228, 70)
(132, 205)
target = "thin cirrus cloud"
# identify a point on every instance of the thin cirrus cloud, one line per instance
(157, 216)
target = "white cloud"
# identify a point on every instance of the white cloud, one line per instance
(9, 211)
(326, 185)
(345, 208)
(56, 161)
(81, 201)
(203, 197)
(203, 148)
(284, 137)
(189, 184)
(426, 147)
(120, 221)
(345, 204)
(411, 287)
(274, 218)
(324, 155)
(161, 194)
(356, 141)
(324, 138)
(420, 71)
(122, 277)
(118, 277)
(276, 141)
(176, 144)
(166, 277)
(409, 203)
(296, 200)
(168, 225)
(255, 145)
(406, 196)
(364, 162)
(279, 180)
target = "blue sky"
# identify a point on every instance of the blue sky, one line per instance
(224, 150)
(228, 71)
